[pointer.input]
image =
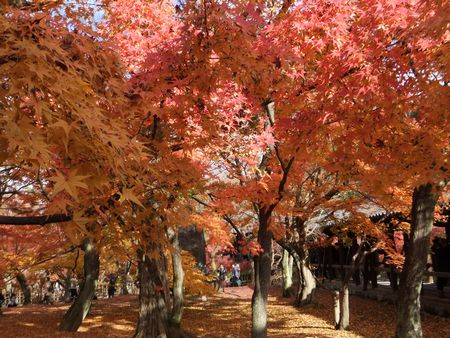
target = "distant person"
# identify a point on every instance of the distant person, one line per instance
(73, 288)
(12, 300)
(222, 275)
(111, 287)
(48, 298)
(236, 272)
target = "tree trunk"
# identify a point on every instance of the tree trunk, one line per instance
(341, 253)
(152, 322)
(344, 313)
(408, 320)
(80, 308)
(370, 270)
(373, 272)
(306, 277)
(336, 308)
(178, 281)
(24, 287)
(307, 287)
(287, 263)
(328, 268)
(262, 264)
(354, 250)
(126, 273)
(342, 318)
(213, 259)
(366, 273)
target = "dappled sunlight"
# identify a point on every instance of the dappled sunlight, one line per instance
(228, 314)
(122, 327)
(27, 324)
(224, 315)
(107, 318)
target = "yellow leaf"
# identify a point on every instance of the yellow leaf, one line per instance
(80, 221)
(127, 194)
(71, 184)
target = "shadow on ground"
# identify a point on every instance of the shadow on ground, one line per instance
(108, 318)
(228, 315)
(225, 315)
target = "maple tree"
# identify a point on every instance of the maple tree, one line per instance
(65, 140)
(61, 129)
(22, 250)
(216, 113)
(326, 68)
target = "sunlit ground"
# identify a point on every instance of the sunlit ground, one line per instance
(228, 315)
(224, 315)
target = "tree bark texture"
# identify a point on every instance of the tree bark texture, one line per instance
(262, 264)
(153, 314)
(34, 220)
(344, 313)
(307, 280)
(336, 308)
(126, 273)
(408, 320)
(305, 294)
(342, 317)
(22, 280)
(287, 263)
(178, 280)
(80, 308)
(369, 271)
(66, 296)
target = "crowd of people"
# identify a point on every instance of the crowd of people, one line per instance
(49, 291)
(10, 302)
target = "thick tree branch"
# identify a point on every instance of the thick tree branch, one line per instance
(226, 218)
(56, 255)
(285, 176)
(35, 220)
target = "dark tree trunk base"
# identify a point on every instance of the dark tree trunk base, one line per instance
(25, 288)
(408, 320)
(153, 317)
(262, 266)
(80, 308)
